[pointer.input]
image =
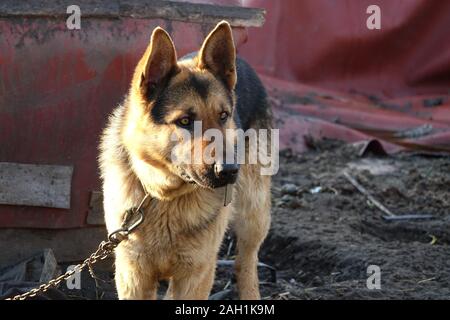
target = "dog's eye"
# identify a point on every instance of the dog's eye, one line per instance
(224, 116)
(184, 122)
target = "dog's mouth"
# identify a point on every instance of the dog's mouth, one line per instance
(193, 178)
(187, 178)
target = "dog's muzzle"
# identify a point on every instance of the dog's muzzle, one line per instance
(226, 173)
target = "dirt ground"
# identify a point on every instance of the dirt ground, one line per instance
(325, 233)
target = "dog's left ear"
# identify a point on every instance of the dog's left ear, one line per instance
(218, 54)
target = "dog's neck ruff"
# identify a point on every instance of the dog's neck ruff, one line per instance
(133, 217)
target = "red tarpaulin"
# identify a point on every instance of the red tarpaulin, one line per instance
(351, 82)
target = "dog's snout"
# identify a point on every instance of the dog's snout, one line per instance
(226, 171)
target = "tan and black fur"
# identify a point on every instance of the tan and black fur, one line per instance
(186, 220)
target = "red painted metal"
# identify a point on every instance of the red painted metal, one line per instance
(57, 87)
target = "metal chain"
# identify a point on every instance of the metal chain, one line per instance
(104, 250)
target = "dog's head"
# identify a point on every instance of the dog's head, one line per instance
(170, 99)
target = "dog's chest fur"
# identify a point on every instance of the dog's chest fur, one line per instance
(174, 232)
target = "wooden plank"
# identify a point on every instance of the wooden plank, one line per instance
(95, 214)
(52, 8)
(193, 12)
(150, 9)
(35, 185)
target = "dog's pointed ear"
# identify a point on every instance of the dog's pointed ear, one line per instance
(159, 61)
(218, 54)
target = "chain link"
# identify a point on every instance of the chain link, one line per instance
(104, 250)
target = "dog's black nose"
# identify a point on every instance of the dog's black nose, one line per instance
(226, 171)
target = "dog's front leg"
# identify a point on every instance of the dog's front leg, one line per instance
(134, 280)
(193, 285)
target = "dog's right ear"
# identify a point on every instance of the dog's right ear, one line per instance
(158, 63)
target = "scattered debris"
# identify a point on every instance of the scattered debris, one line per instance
(427, 280)
(29, 273)
(273, 271)
(408, 217)
(370, 147)
(290, 189)
(433, 239)
(221, 295)
(289, 201)
(374, 166)
(361, 189)
(389, 215)
(278, 296)
(315, 190)
(433, 102)
(413, 133)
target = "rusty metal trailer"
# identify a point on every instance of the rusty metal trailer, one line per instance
(57, 87)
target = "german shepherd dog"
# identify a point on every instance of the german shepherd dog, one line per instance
(186, 219)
